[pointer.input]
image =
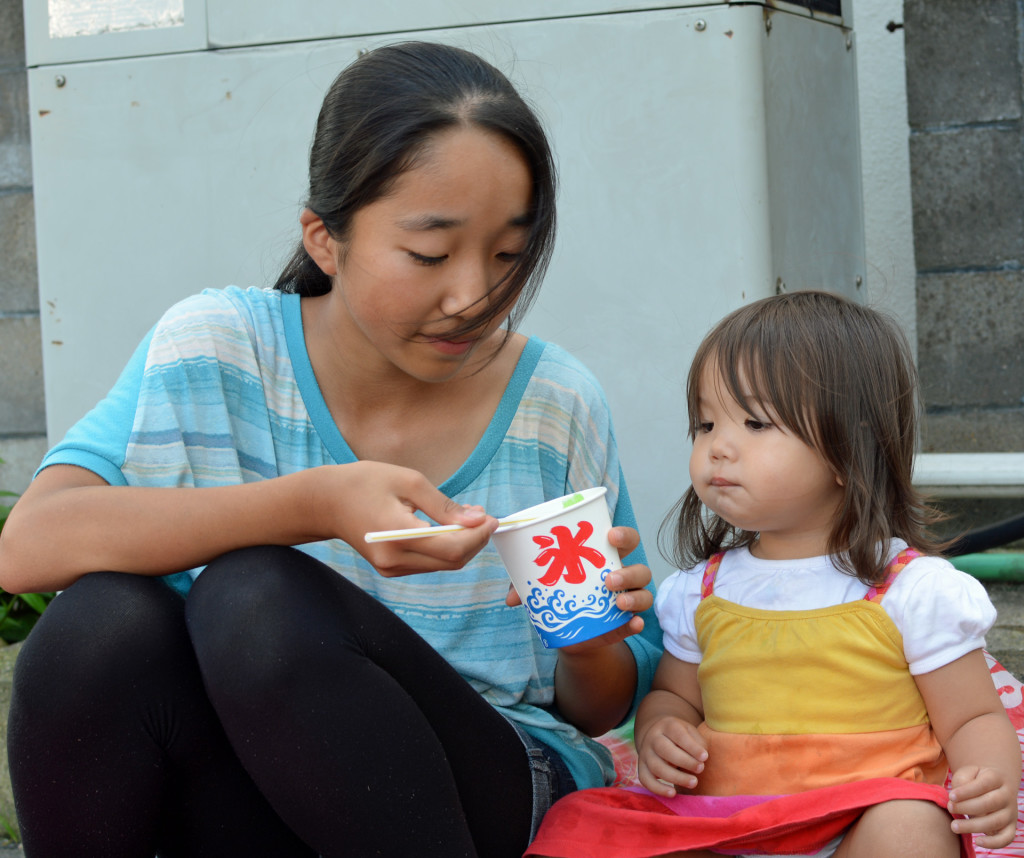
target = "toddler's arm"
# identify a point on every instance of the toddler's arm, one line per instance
(981, 745)
(671, 751)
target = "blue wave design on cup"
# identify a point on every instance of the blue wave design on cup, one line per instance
(562, 619)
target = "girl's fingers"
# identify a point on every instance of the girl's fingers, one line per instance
(635, 577)
(663, 778)
(624, 538)
(436, 553)
(996, 829)
(676, 756)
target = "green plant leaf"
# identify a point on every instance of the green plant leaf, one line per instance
(18, 613)
(36, 601)
(10, 831)
(16, 628)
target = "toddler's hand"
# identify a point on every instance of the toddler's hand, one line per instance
(671, 754)
(988, 802)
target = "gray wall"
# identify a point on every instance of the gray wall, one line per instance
(965, 96)
(22, 412)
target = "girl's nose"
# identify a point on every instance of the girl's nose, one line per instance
(469, 283)
(721, 445)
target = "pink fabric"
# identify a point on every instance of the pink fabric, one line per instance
(633, 823)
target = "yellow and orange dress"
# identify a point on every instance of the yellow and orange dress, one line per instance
(811, 715)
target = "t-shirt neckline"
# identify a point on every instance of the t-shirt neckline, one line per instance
(338, 447)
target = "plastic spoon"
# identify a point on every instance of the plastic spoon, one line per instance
(419, 532)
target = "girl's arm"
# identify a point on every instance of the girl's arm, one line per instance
(595, 681)
(670, 749)
(70, 522)
(981, 745)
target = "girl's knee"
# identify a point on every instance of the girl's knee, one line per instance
(901, 829)
(249, 589)
(248, 616)
(104, 613)
(241, 578)
(106, 630)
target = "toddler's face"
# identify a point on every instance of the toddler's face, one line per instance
(760, 477)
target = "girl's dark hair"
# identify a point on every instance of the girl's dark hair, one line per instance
(376, 119)
(841, 377)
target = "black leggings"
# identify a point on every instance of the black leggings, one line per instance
(279, 711)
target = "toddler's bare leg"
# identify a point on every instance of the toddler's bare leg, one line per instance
(901, 829)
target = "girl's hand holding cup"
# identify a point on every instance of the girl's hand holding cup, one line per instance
(564, 562)
(628, 583)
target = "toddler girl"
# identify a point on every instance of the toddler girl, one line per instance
(823, 666)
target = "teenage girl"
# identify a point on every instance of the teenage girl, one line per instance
(200, 687)
(823, 667)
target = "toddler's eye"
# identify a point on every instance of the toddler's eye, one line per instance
(705, 426)
(509, 257)
(427, 260)
(757, 425)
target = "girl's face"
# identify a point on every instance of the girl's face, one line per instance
(421, 260)
(760, 477)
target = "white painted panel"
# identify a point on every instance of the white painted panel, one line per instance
(156, 177)
(885, 161)
(61, 31)
(72, 18)
(236, 22)
(814, 156)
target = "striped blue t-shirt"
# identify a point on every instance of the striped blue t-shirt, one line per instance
(222, 391)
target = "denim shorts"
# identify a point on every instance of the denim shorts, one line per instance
(551, 777)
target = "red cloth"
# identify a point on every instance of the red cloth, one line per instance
(633, 823)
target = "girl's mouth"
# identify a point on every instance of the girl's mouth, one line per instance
(450, 347)
(721, 482)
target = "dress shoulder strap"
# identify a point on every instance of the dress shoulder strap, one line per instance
(894, 568)
(707, 583)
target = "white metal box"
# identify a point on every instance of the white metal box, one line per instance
(708, 155)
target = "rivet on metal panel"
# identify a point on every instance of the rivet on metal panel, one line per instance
(60, 80)
(859, 281)
(767, 24)
(849, 41)
(780, 287)
(700, 25)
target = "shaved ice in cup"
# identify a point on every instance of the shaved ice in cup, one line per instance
(558, 562)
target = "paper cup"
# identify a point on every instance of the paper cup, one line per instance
(558, 563)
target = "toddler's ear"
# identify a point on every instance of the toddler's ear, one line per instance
(319, 244)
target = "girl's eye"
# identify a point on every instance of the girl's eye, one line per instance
(705, 427)
(509, 257)
(757, 425)
(427, 260)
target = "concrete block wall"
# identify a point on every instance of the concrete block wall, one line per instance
(22, 409)
(965, 104)
(965, 97)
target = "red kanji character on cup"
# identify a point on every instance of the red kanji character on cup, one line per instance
(568, 556)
